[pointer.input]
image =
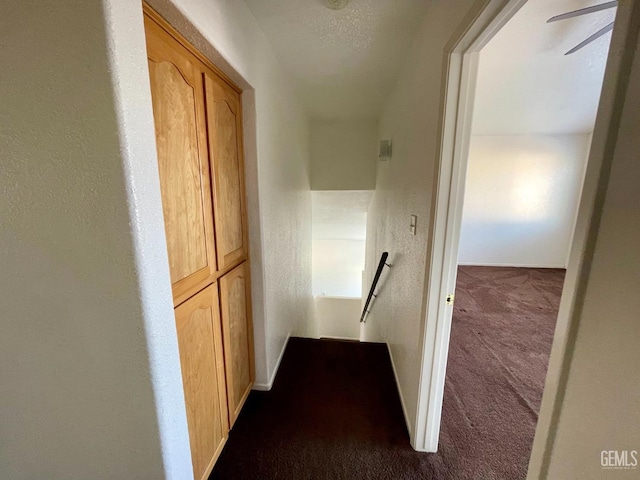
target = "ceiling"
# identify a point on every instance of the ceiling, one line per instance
(344, 62)
(525, 83)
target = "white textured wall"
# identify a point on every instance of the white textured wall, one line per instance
(404, 187)
(278, 185)
(337, 267)
(339, 228)
(86, 300)
(521, 199)
(601, 406)
(344, 154)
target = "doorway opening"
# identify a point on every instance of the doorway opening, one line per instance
(519, 199)
(532, 120)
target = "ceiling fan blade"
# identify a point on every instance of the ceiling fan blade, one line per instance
(593, 37)
(583, 11)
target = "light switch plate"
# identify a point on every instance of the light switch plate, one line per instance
(413, 224)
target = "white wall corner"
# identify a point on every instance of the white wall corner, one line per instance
(256, 236)
(130, 80)
(265, 387)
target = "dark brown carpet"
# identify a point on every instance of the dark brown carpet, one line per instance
(334, 411)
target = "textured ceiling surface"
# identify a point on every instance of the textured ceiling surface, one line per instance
(526, 85)
(344, 61)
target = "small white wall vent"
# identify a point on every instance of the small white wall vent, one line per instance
(384, 154)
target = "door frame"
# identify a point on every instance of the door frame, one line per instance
(458, 94)
(461, 68)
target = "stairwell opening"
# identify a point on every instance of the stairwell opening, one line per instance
(339, 226)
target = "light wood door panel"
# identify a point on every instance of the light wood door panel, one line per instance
(178, 108)
(203, 376)
(224, 128)
(198, 122)
(238, 336)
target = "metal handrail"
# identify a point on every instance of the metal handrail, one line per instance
(381, 265)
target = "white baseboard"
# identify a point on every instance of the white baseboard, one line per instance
(512, 265)
(404, 407)
(331, 337)
(265, 387)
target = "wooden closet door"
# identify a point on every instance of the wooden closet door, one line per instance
(224, 127)
(238, 337)
(178, 107)
(203, 377)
